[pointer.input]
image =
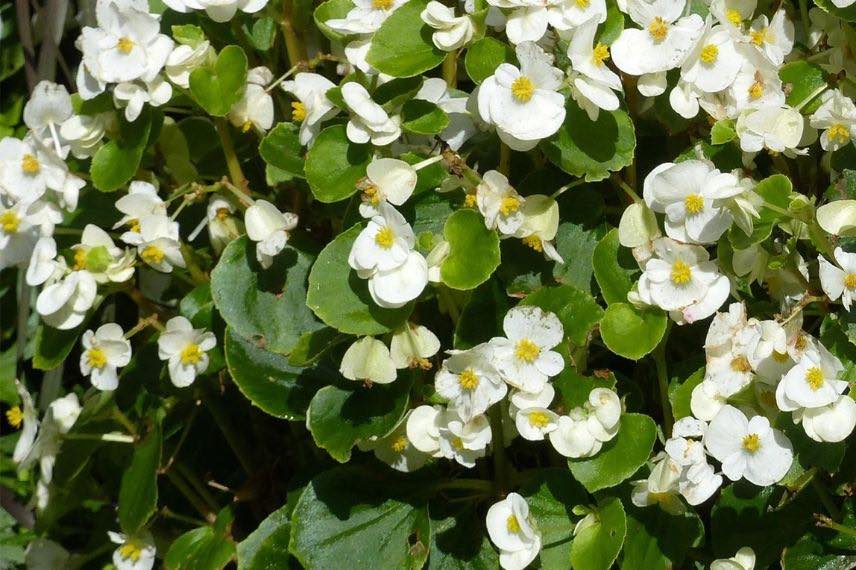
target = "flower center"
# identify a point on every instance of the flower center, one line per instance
(709, 53)
(539, 419)
(96, 358)
(15, 416)
(152, 254)
(371, 194)
(658, 28)
(509, 205)
(10, 222)
(457, 443)
(468, 379)
(741, 364)
(246, 126)
(681, 273)
(130, 551)
(756, 90)
(599, 54)
(694, 203)
(125, 44)
(134, 225)
(582, 4)
(512, 524)
(222, 214)
(298, 111)
(191, 354)
(470, 200)
(734, 16)
(385, 237)
(30, 164)
(800, 343)
(522, 89)
(79, 259)
(759, 37)
(534, 242)
(752, 442)
(526, 350)
(381, 4)
(838, 132)
(814, 378)
(850, 281)
(400, 444)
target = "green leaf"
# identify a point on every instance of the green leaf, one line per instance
(339, 416)
(592, 149)
(332, 9)
(341, 299)
(680, 395)
(402, 47)
(334, 165)
(458, 540)
(619, 458)
(396, 92)
(204, 548)
(809, 554)
(267, 546)
(775, 190)
(117, 161)
(482, 317)
(350, 516)
(596, 546)
(613, 268)
(722, 132)
(576, 245)
(551, 495)
(484, 56)
(423, 117)
(630, 332)
(281, 148)
(219, 87)
(577, 310)
(264, 305)
(574, 388)
(613, 26)
(198, 307)
(847, 14)
(52, 346)
(263, 33)
(138, 494)
(173, 145)
(656, 539)
(188, 34)
(267, 379)
(474, 251)
(801, 80)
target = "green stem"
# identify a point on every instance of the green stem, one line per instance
(504, 159)
(293, 44)
(191, 497)
(618, 182)
(232, 162)
(199, 277)
(123, 420)
(804, 18)
(811, 96)
(197, 485)
(663, 382)
(567, 187)
(450, 69)
(823, 494)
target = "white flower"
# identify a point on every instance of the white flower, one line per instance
(534, 423)
(26, 418)
(743, 560)
(757, 84)
(463, 441)
(269, 228)
(366, 17)
(839, 281)
(43, 262)
(513, 531)
(64, 304)
(142, 200)
(184, 59)
(423, 429)
(774, 38)
(255, 107)
(134, 552)
(104, 351)
(412, 345)
(778, 129)
(681, 279)
(393, 288)
(369, 122)
(604, 413)
(384, 244)
(157, 242)
(707, 399)
(499, 203)
(662, 44)
(572, 438)
(812, 383)
(837, 118)
(470, 381)
(28, 170)
(217, 10)
(524, 357)
(452, 33)
(592, 81)
(732, 13)
(133, 95)
(222, 224)
(48, 107)
(312, 106)
(18, 234)
(368, 360)
(714, 63)
(97, 254)
(523, 103)
(838, 217)
(831, 423)
(748, 448)
(767, 349)
(540, 225)
(83, 133)
(660, 488)
(185, 350)
(396, 450)
(724, 328)
(461, 125)
(695, 197)
(387, 180)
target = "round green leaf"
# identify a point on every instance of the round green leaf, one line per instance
(577, 310)
(267, 546)
(574, 388)
(575, 244)
(423, 117)
(592, 149)
(657, 539)
(264, 305)
(801, 80)
(332, 9)
(680, 395)
(116, 162)
(334, 165)
(474, 251)
(613, 267)
(597, 546)
(619, 458)
(281, 148)
(341, 299)
(267, 380)
(484, 56)
(458, 539)
(630, 332)
(402, 47)
(217, 89)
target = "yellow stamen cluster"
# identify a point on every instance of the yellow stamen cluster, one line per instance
(734, 16)
(134, 225)
(814, 378)
(468, 379)
(371, 194)
(522, 89)
(422, 363)
(381, 4)
(741, 364)
(758, 37)
(385, 237)
(191, 354)
(539, 419)
(96, 358)
(470, 200)
(15, 417)
(246, 126)
(599, 54)
(399, 444)
(752, 443)
(756, 90)
(534, 242)
(10, 222)
(30, 164)
(512, 524)
(583, 4)
(509, 205)
(709, 53)
(681, 273)
(838, 132)
(658, 28)
(152, 254)
(79, 259)
(125, 44)
(458, 443)
(298, 111)
(694, 203)
(850, 281)
(130, 551)
(526, 350)
(222, 214)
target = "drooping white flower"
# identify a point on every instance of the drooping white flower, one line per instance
(774, 38)
(387, 180)
(592, 81)
(572, 438)
(707, 399)
(222, 224)
(513, 531)
(463, 441)
(830, 423)
(694, 196)
(779, 129)
(412, 345)
(423, 429)
(660, 488)
(157, 242)
(368, 360)
(48, 107)
(812, 383)
(396, 450)
(104, 350)
(743, 560)
(540, 225)
(499, 203)
(217, 10)
(43, 263)
(269, 228)
(185, 350)
(135, 552)
(604, 414)
(312, 106)
(748, 448)
(83, 133)
(133, 95)
(523, 103)
(714, 63)
(141, 200)
(64, 304)
(25, 418)
(839, 281)
(255, 107)
(369, 121)
(183, 59)
(452, 32)
(524, 357)
(384, 244)
(836, 116)
(470, 381)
